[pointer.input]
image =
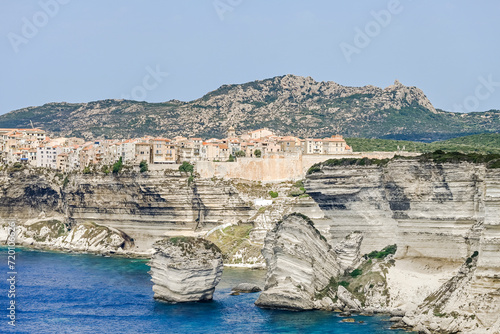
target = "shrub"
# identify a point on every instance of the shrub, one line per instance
(257, 153)
(186, 167)
(494, 164)
(65, 182)
(105, 169)
(299, 184)
(273, 194)
(440, 156)
(117, 166)
(231, 158)
(383, 253)
(314, 169)
(356, 273)
(296, 192)
(240, 154)
(86, 170)
(344, 284)
(143, 166)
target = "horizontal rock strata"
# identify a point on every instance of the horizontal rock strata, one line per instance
(185, 269)
(85, 237)
(300, 266)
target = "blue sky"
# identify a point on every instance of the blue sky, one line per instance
(86, 50)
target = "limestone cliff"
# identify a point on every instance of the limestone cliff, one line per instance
(145, 207)
(185, 269)
(445, 221)
(148, 206)
(300, 266)
(54, 234)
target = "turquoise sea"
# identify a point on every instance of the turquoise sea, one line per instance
(70, 293)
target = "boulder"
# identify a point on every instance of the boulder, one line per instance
(348, 299)
(246, 288)
(185, 269)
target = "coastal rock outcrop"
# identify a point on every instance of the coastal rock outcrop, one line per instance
(348, 251)
(439, 215)
(246, 288)
(348, 299)
(145, 207)
(84, 237)
(185, 269)
(301, 266)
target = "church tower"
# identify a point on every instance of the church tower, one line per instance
(231, 133)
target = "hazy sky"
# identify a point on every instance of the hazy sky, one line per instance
(157, 50)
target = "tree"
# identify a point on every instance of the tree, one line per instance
(231, 158)
(257, 153)
(186, 167)
(117, 166)
(143, 166)
(239, 154)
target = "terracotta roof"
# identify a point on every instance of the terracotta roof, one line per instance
(334, 139)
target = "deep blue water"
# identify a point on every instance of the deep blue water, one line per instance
(69, 293)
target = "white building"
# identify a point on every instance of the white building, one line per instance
(46, 156)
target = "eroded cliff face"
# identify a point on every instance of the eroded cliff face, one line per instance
(185, 269)
(148, 206)
(445, 220)
(144, 207)
(55, 235)
(300, 264)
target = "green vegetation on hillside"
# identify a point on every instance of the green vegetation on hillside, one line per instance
(186, 167)
(491, 160)
(117, 166)
(391, 249)
(288, 104)
(456, 157)
(486, 143)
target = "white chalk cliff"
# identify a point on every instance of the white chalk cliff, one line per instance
(300, 265)
(185, 269)
(54, 234)
(445, 220)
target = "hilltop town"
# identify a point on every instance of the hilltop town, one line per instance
(36, 148)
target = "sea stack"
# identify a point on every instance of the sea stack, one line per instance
(185, 269)
(301, 266)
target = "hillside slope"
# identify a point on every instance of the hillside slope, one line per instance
(482, 143)
(289, 104)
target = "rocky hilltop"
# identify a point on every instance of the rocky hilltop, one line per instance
(289, 104)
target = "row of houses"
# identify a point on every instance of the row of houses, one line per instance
(34, 147)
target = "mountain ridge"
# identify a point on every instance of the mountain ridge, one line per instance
(288, 104)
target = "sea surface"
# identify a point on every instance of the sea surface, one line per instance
(75, 293)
